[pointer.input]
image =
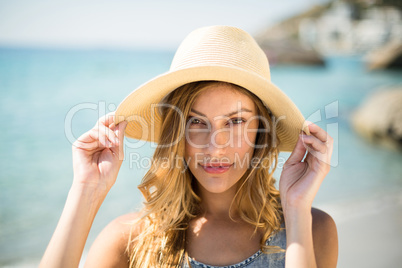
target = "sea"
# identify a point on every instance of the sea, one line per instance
(50, 97)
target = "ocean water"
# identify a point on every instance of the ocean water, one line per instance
(50, 97)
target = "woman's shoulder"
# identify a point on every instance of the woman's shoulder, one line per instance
(325, 237)
(110, 247)
(322, 222)
(124, 226)
(125, 222)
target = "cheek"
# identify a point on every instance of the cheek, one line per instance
(245, 151)
(188, 151)
(190, 154)
(251, 138)
(248, 138)
(196, 138)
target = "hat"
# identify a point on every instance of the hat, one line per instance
(215, 53)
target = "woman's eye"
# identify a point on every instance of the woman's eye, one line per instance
(194, 121)
(236, 121)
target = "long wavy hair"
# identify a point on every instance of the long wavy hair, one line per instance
(168, 187)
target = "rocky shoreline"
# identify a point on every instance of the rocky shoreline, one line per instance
(372, 28)
(379, 118)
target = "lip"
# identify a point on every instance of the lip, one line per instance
(216, 168)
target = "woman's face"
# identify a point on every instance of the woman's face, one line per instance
(220, 135)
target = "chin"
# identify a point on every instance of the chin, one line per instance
(215, 185)
(216, 190)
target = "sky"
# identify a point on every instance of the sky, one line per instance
(131, 23)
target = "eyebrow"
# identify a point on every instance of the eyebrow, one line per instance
(227, 115)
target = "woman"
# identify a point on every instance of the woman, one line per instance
(210, 197)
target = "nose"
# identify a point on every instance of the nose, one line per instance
(219, 140)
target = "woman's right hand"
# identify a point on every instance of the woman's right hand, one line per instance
(98, 155)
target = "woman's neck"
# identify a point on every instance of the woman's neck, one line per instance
(217, 205)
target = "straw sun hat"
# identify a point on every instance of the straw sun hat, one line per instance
(219, 53)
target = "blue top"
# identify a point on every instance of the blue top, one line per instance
(257, 260)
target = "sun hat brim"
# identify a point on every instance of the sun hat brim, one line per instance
(144, 122)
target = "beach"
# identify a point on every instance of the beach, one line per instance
(369, 231)
(50, 97)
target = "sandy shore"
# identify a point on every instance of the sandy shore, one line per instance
(369, 231)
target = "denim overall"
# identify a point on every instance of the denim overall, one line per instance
(258, 260)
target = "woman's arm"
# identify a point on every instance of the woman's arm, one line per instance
(311, 236)
(325, 239)
(300, 180)
(110, 247)
(68, 241)
(97, 157)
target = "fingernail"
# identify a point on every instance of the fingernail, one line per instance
(306, 129)
(116, 141)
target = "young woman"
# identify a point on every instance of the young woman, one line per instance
(210, 195)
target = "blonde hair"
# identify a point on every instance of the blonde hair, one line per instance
(170, 199)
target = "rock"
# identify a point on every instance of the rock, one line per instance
(379, 118)
(282, 44)
(386, 57)
(290, 52)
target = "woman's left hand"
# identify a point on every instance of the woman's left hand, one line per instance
(300, 180)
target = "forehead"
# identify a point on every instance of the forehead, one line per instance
(222, 99)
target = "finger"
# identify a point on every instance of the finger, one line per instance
(98, 135)
(87, 146)
(109, 133)
(298, 152)
(107, 119)
(120, 128)
(320, 160)
(120, 134)
(112, 126)
(318, 132)
(108, 122)
(315, 143)
(91, 137)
